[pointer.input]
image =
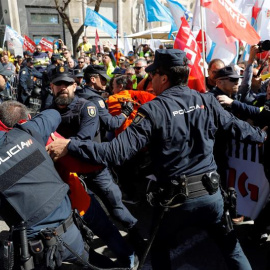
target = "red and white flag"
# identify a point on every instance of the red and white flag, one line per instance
(232, 20)
(46, 45)
(185, 41)
(29, 44)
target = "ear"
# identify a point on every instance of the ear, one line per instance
(92, 79)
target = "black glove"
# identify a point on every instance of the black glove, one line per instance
(127, 108)
(263, 118)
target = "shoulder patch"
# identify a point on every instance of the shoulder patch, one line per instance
(91, 111)
(138, 118)
(101, 103)
(23, 72)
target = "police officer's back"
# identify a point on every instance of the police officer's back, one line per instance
(179, 125)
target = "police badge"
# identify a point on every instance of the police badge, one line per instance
(91, 111)
(101, 103)
(138, 118)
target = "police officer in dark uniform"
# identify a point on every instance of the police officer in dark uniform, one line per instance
(31, 191)
(46, 93)
(80, 119)
(96, 77)
(78, 73)
(4, 73)
(26, 81)
(179, 125)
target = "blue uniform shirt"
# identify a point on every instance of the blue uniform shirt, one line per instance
(179, 125)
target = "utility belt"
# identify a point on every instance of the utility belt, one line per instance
(178, 189)
(45, 249)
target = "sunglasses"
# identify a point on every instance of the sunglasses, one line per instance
(230, 79)
(81, 62)
(59, 83)
(121, 60)
(138, 68)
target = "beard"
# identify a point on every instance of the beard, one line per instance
(63, 100)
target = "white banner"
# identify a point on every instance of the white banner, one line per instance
(246, 175)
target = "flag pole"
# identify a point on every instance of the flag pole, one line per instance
(203, 44)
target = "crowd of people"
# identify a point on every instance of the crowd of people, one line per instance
(128, 115)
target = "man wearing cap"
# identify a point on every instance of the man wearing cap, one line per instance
(26, 81)
(78, 76)
(4, 73)
(179, 126)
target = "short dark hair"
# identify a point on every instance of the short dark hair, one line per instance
(124, 79)
(178, 75)
(11, 112)
(88, 76)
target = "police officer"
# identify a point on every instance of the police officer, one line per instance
(179, 125)
(46, 95)
(95, 77)
(26, 195)
(80, 119)
(26, 81)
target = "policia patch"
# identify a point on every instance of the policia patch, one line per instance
(138, 118)
(91, 111)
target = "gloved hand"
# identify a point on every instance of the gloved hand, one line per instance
(127, 108)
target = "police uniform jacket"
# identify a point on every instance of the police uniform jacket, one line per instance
(26, 78)
(79, 119)
(30, 188)
(110, 122)
(180, 125)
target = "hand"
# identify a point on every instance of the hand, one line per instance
(127, 108)
(58, 148)
(225, 100)
(254, 49)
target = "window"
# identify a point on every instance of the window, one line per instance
(37, 18)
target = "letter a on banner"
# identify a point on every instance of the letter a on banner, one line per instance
(185, 41)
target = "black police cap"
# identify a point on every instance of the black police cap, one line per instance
(27, 53)
(117, 70)
(227, 72)
(78, 73)
(62, 73)
(168, 58)
(97, 69)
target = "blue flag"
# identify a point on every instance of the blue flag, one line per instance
(178, 11)
(94, 19)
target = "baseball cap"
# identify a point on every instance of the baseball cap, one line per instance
(168, 58)
(117, 70)
(97, 69)
(78, 73)
(227, 72)
(62, 73)
(4, 71)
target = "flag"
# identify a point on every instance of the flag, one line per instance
(127, 46)
(94, 19)
(12, 35)
(46, 45)
(156, 12)
(185, 41)
(233, 21)
(178, 11)
(97, 42)
(263, 22)
(29, 44)
(217, 45)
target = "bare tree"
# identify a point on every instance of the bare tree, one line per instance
(62, 9)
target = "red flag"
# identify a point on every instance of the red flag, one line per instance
(233, 20)
(199, 39)
(97, 42)
(185, 41)
(29, 44)
(46, 45)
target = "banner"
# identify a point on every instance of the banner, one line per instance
(46, 45)
(185, 41)
(29, 44)
(246, 175)
(12, 35)
(233, 21)
(94, 19)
